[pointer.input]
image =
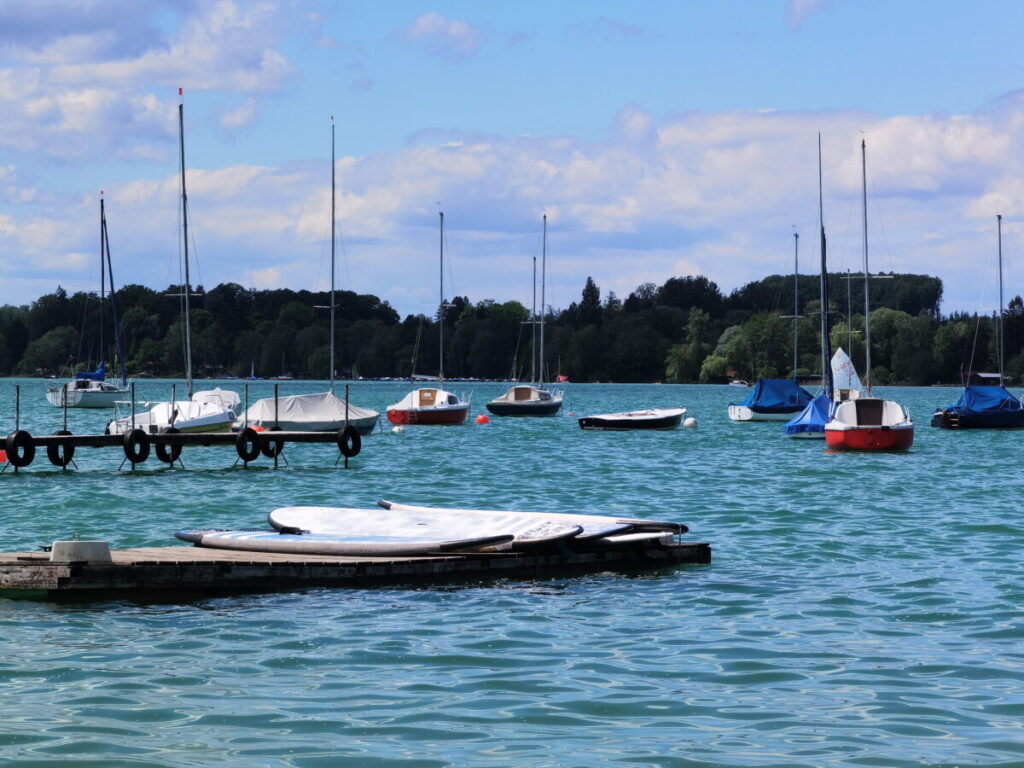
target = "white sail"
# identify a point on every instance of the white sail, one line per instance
(845, 376)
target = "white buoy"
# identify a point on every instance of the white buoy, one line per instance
(80, 552)
(690, 423)
(398, 429)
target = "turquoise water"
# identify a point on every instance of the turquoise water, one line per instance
(860, 610)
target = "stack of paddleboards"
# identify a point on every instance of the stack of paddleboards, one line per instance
(409, 530)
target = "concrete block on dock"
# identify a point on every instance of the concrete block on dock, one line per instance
(80, 552)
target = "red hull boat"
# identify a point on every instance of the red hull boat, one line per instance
(870, 424)
(428, 405)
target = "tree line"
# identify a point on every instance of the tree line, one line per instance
(685, 330)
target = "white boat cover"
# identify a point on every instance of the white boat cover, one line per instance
(222, 397)
(320, 412)
(844, 375)
(184, 415)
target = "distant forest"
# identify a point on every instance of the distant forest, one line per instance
(685, 330)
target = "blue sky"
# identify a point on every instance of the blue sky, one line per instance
(661, 138)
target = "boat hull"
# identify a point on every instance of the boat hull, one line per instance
(84, 398)
(743, 413)
(428, 416)
(621, 422)
(949, 419)
(870, 438)
(535, 408)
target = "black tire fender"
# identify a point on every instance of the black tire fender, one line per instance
(60, 455)
(350, 442)
(247, 444)
(166, 452)
(136, 445)
(20, 448)
(271, 448)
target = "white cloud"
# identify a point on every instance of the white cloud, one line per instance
(798, 10)
(657, 197)
(450, 39)
(78, 93)
(242, 116)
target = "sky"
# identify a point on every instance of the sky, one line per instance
(660, 139)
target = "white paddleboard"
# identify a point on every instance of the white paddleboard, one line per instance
(333, 544)
(643, 537)
(527, 530)
(594, 526)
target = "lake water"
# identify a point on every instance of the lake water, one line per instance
(859, 610)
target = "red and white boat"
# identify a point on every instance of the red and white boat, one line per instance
(869, 423)
(431, 405)
(428, 405)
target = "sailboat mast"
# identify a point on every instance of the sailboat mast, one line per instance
(543, 283)
(440, 366)
(999, 227)
(103, 240)
(533, 327)
(796, 299)
(867, 274)
(332, 254)
(118, 336)
(184, 229)
(826, 342)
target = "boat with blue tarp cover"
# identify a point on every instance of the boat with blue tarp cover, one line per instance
(810, 422)
(982, 407)
(771, 400)
(985, 406)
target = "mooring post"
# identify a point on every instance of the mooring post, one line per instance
(64, 403)
(17, 408)
(133, 405)
(245, 422)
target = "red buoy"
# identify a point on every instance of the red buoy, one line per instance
(482, 419)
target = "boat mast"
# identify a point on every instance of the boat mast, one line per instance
(118, 336)
(533, 327)
(796, 300)
(184, 229)
(440, 366)
(867, 274)
(332, 254)
(543, 282)
(103, 241)
(826, 342)
(999, 227)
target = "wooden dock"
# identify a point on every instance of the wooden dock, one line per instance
(172, 571)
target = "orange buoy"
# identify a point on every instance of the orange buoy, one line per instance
(482, 419)
(258, 428)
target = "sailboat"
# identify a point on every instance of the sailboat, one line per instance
(985, 406)
(321, 411)
(90, 389)
(869, 423)
(208, 411)
(775, 399)
(810, 423)
(431, 405)
(535, 399)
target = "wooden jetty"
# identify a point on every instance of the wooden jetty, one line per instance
(170, 571)
(21, 446)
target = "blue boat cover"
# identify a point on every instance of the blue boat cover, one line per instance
(100, 374)
(813, 418)
(985, 399)
(776, 396)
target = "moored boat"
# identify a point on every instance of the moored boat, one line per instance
(431, 405)
(771, 400)
(869, 423)
(985, 406)
(654, 418)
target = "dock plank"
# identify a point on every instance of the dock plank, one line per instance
(179, 569)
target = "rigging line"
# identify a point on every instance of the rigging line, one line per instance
(881, 226)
